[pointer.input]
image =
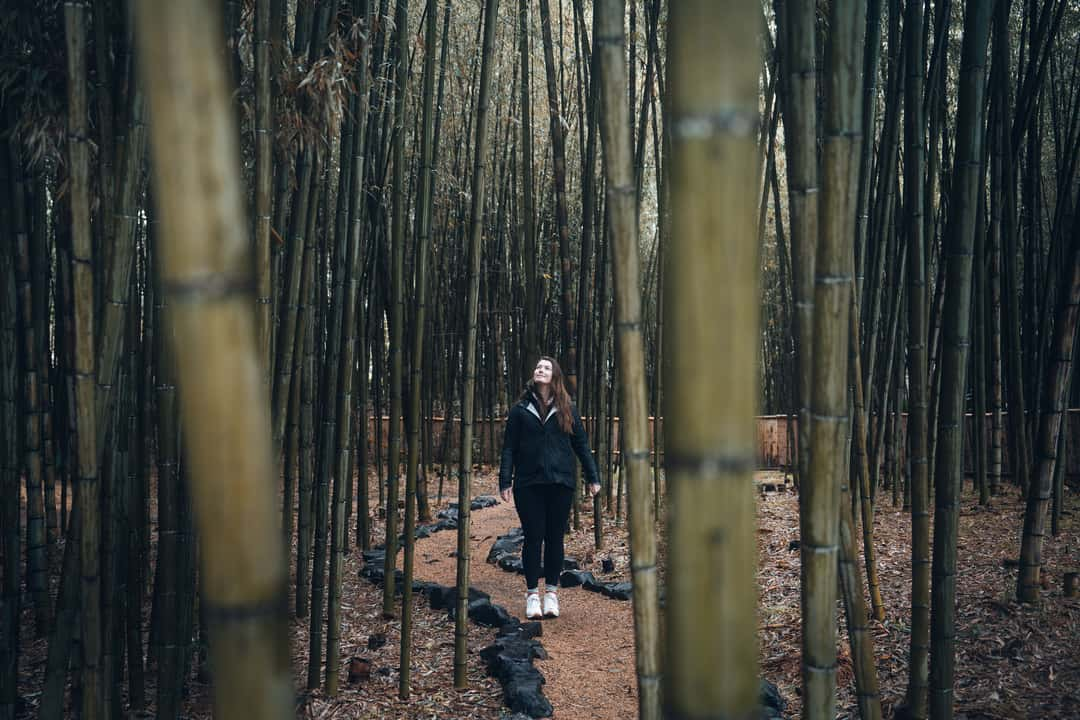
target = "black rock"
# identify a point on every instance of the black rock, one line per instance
(445, 596)
(573, 578)
(374, 557)
(508, 544)
(446, 524)
(376, 641)
(449, 513)
(510, 661)
(530, 630)
(618, 591)
(525, 696)
(773, 703)
(484, 612)
(483, 501)
(607, 565)
(511, 563)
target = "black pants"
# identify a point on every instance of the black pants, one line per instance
(544, 511)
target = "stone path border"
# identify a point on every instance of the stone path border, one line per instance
(510, 658)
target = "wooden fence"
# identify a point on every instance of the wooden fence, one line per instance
(774, 440)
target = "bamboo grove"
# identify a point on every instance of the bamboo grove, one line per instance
(272, 272)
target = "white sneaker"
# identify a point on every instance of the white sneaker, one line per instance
(551, 604)
(532, 606)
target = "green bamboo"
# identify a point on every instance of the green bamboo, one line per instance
(562, 226)
(919, 481)
(713, 308)
(397, 299)
(622, 211)
(1058, 367)
(528, 226)
(264, 173)
(40, 267)
(820, 511)
(117, 289)
(82, 275)
(797, 24)
(10, 538)
(959, 240)
(37, 561)
(342, 468)
(305, 368)
(206, 275)
(468, 398)
(862, 470)
(425, 185)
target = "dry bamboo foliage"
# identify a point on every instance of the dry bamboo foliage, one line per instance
(711, 377)
(205, 273)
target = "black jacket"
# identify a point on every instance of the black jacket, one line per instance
(536, 452)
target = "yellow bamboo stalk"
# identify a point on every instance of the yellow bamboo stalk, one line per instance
(711, 377)
(206, 274)
(622, 205)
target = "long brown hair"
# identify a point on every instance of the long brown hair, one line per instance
(560, 397)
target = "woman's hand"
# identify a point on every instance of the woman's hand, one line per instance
(505, 495)
(594, 489)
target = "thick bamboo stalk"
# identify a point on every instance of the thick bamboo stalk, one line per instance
(562, 226)
(342, 468)
(425, 185)
(468, 400)
(120, 260)
(82, 273)
(1058, 368)
(919, 481)
(264, 174)
(206, 275)
(862, 469)
(395, 309)
(713, 309)
(622, 209)
(10, 538)
(798, 29)
(37, 561)
(959, 241)
(819, 519)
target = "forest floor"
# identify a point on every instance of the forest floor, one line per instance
(1012, 660)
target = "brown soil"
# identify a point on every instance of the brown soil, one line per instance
(590, 669)
(1012, 661)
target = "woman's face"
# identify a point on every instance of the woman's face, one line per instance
(542, 373)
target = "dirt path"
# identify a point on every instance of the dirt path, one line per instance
(590, 671)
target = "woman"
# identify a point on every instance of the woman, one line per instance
(543, 433)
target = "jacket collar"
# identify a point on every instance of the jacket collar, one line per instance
(532, 405)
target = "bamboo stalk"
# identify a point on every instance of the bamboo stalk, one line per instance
(206, 275)
(710, 440)
(959, 240)
(819, 518)
(622, 208)
(476, 227)
(10, 538)
(82, 273)
(425, 183)
(37, 560)
(914, 179)
(1058, 368)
